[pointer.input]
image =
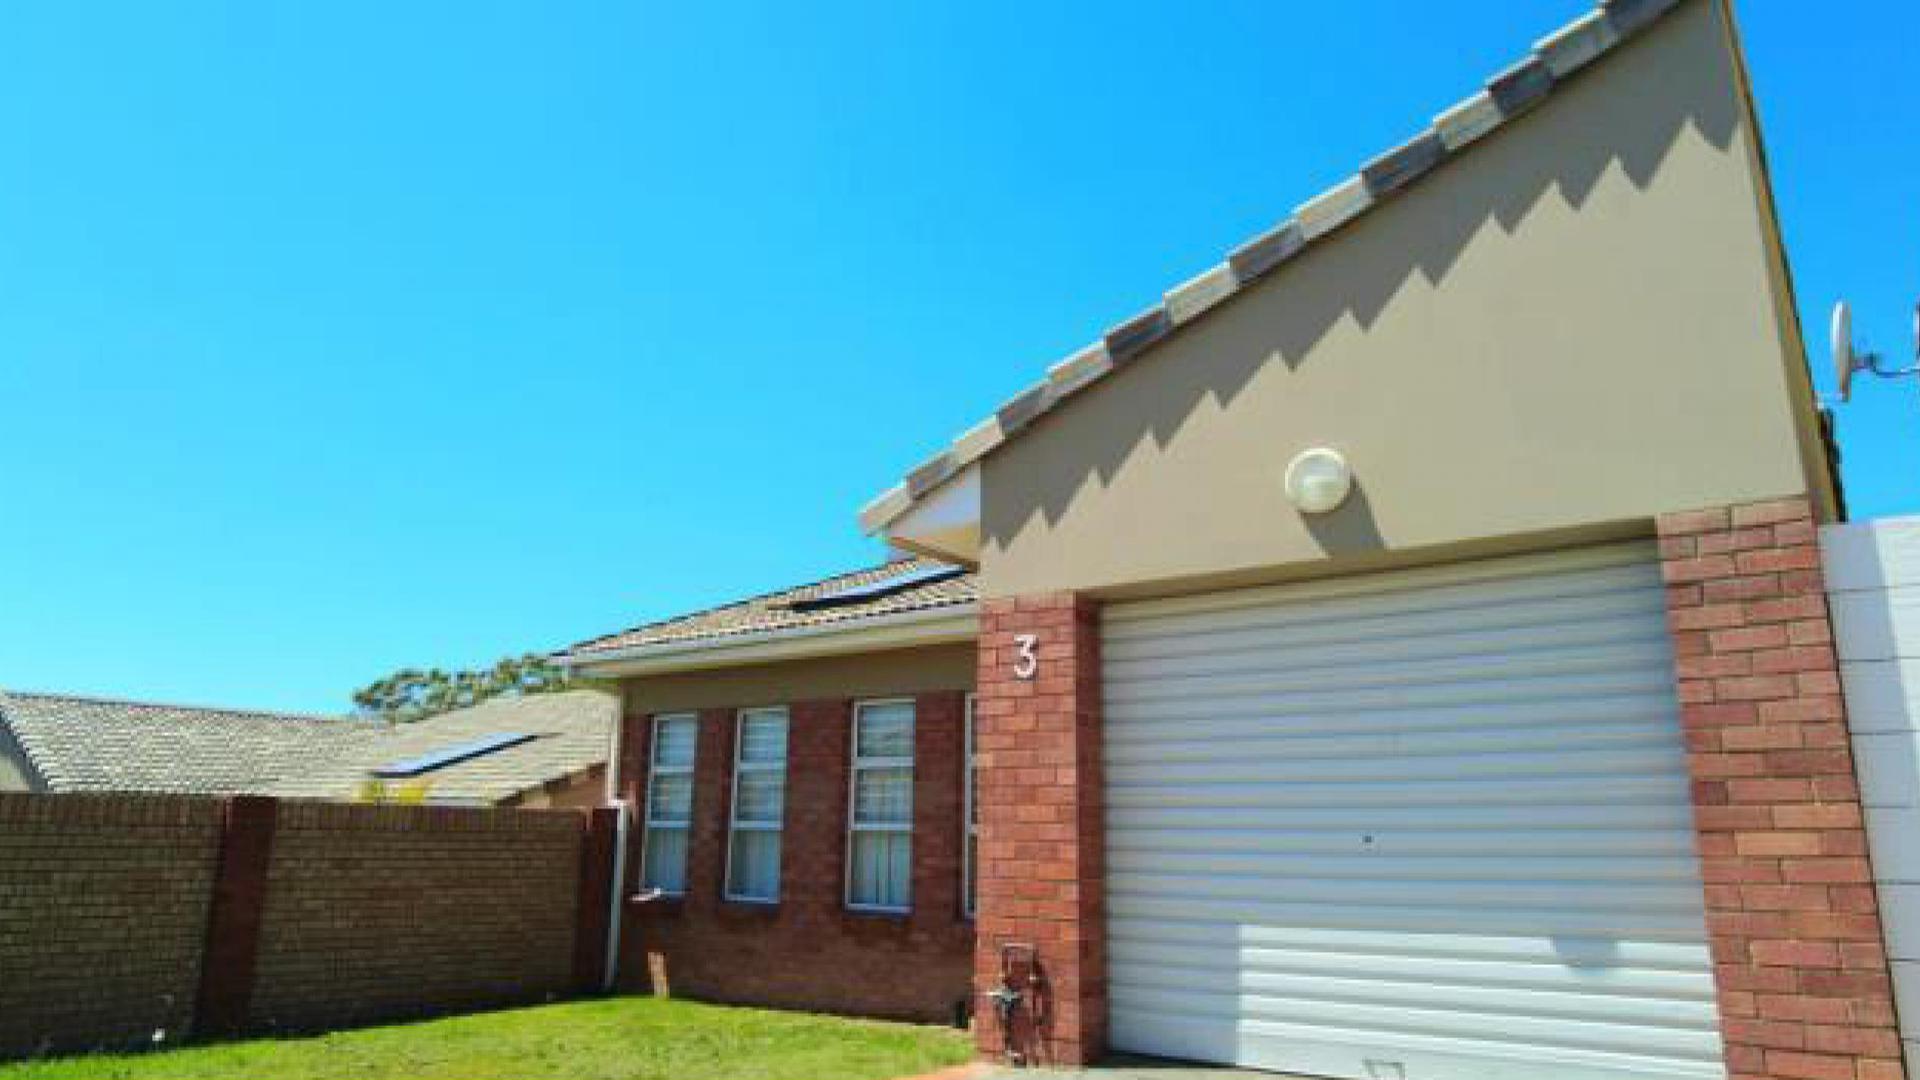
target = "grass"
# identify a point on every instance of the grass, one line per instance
(635, 1038)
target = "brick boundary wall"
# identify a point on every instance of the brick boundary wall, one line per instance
(103, 916)
(1042, 824)
(233, 924)
(1804, 988)
(127, 920)
(807, 951)
(378, 913)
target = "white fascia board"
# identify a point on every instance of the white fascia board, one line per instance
(935, 626)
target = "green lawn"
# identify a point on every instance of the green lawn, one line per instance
(633, 1038)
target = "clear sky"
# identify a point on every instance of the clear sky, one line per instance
(339, 337)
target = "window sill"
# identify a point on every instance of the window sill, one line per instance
(880, 914)
(658, 904)
(766, 909)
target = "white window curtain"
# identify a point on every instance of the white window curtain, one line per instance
(759, 805)
(663, 862)
(880, 859)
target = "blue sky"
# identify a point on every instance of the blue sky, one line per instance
(338, 337)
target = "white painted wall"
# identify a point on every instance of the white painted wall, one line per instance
(1873, 585)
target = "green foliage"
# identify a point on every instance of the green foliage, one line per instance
(415, 694)
(626, 1038)
(376, 790)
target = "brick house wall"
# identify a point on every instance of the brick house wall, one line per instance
(382, 912)
(808, 951)
(103, 912)
(1803, 983)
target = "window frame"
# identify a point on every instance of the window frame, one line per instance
(654, 771)
(969, 827)
(734, 823)
(855, 763)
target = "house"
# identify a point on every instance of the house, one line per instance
(1399, 652)
(537, 751)
(63, 743)
(544, 750)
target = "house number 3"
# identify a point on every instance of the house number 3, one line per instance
(1026, 658)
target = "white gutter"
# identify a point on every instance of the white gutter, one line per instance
(610, 970)
(930, 626)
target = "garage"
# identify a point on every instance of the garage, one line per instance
(1431, 824)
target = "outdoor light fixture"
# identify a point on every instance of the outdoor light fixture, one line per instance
(1318, 480)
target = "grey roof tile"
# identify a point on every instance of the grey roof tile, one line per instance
(98, 744)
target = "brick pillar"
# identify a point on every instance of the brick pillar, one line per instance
(1042, 833)
(1804, 988)
(707, 840)
(813, 853)
(937, 777)
(598, 829)
(233, 918)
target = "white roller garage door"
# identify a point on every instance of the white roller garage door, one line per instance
(1430, 824)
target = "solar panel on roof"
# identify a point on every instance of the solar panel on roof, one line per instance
(874, 590)
(440, 759)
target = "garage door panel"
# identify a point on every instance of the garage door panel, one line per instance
(1225, 962)
(1524, 1014)
(1263, 763)
(1659, 818)
(1640, 924)
(1440, 793)
(1440, 727)
(1137, 867)
(1414, 675)
(1331, 1051)
(1567, 893)
(1431, 820)
(1445, 638)
(1586, 688)
(1592, 957)
(1406, 839)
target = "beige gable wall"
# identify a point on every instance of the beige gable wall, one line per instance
(1577, 325)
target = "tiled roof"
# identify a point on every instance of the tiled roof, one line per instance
(1507, 95)
(570, 731)
(789, 609)
(94, 744)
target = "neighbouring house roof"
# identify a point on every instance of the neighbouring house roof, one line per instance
(97, 744)
(895, 588)
(1509, 94)
(564, 737)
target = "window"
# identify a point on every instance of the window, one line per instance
(970, 823)
(759, 802)
(880, 841)
(663, 862)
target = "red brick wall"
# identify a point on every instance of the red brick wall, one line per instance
(378, 912)
(1042, 830)
(1804, 988)
(103, 913)
(808, 951)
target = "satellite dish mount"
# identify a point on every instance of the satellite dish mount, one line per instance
(1847, 360)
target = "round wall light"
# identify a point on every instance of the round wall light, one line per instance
(1318, 480)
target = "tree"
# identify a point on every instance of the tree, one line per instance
(414, 693)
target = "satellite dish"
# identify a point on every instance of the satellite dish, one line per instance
(1840, 337)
